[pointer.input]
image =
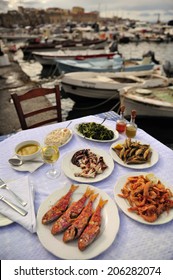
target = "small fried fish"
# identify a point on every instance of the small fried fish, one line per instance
(59, 207)
(71, 213)
(93, 228)
(75, 230)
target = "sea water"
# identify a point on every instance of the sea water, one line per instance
(162, 51)
(70, 110)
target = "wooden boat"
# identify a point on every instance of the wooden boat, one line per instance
(80, 86)
(154, 108)
(36, 45)
(49, 58)
(55, 45)
(156, 101)
(103, 65)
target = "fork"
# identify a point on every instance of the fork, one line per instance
(104, 120)
(4, 186)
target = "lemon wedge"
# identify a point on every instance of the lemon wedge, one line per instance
(118, 147)
(151, 177)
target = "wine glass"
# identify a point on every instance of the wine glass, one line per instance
(50, 154)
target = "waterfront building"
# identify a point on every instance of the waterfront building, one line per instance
(3, 6)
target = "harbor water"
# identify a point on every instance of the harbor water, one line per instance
(70, 110)
(162, 51)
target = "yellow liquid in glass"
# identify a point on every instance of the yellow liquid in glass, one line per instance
(130, 131)
(50, 154)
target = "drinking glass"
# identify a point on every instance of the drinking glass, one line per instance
(50, 155)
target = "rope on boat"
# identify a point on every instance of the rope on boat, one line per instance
(115, 106)
(98, 105)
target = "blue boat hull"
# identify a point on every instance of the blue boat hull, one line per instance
(100, 66)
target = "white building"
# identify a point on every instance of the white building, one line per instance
(3, 6)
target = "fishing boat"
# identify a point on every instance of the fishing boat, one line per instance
(116, 64)
(49, 64)
(154, 108)
(55, 45)
(155, 101)
(49, 58)
(81, 86)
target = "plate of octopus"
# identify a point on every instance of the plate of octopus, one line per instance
(87, 165)
(77, 222)
(145, 198)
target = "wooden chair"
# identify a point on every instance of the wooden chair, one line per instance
(36, 94)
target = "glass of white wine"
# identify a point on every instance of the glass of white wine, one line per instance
(50, 154)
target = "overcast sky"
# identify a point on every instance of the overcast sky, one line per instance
(138, 9)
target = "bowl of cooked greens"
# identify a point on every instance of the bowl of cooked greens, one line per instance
(96, 132)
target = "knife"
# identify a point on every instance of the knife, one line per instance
(3, 185)
(14, 206)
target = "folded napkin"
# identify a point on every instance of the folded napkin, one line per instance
(23, 187)
(29, 166)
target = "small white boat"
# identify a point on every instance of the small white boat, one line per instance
(80, 86)
(54, 45)
(49, 58)
(153, 102)
(115, 64)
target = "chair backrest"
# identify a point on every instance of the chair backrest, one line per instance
(35, 93)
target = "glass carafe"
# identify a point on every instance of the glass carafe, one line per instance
(131, 127)
(121, 123)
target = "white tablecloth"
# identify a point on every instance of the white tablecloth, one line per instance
(133, 241)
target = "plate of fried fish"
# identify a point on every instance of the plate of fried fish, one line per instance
(133, 154)
(77, 222)
(87, 165)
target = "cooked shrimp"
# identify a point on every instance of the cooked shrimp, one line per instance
(147, 198)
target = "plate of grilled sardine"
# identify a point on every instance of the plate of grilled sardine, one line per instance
(134, 154)
(77, 222)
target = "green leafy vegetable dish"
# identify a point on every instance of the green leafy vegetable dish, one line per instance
(95, 131)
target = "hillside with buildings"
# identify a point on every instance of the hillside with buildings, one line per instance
(33, 17)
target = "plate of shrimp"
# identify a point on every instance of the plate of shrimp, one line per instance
(145, 198)
(77, 222)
